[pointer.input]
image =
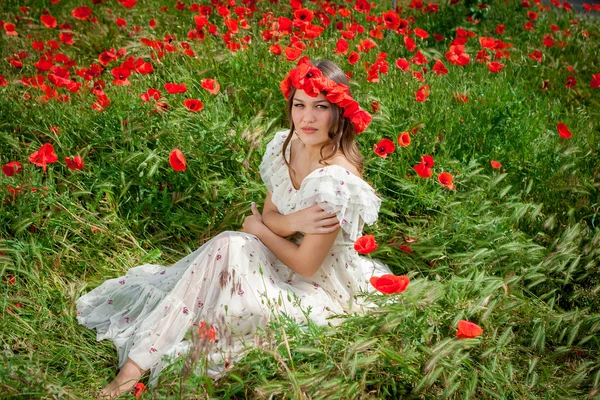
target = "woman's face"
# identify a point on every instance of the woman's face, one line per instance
(312, 118)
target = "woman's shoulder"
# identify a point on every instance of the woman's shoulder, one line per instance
(343, 162)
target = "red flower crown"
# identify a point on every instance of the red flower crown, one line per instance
(309, 78)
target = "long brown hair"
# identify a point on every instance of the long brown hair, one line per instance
(341, 131)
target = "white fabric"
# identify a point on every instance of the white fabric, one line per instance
(235, 283)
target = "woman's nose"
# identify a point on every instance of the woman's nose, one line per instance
(309, 116)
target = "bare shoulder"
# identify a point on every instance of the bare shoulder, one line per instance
(343, 162)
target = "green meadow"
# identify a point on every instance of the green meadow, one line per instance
(514, 249)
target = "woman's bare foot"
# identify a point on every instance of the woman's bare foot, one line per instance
(125, 380)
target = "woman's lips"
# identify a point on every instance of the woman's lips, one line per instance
(309, 130)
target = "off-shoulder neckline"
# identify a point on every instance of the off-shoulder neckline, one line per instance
(287, 172)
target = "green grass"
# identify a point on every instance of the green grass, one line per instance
(515, 250)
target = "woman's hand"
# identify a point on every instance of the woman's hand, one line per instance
(314, 221)
(253, 224)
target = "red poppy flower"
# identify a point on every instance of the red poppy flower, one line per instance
(292, 53)
(341, 47)
(375, 106)
(365, 244)
(3, 81)
(82, 13)
(422, 94)
(446, 179)
(410, 44)
(211, 85)
(404, 139)
(463, 98)
(177, 160)
(457, 56)
(150, 93)
(11, 168)
(421, 33)
(304, 15)
(495, 164)
(439, 68)
(468, 330)
(127, 3)
(49, 21)
(391, 20)
(532, 15)
(275, 49)
(427, 161)
(595, 83)
(384, 147)
(438, 37)
(138, 389)
(495, 66)
(74, 163)
(9, 28)
(402, 64)
(193, 105)
(563, 130)
(106, 57)
(121, 22)
(11, 280)
(536, 55)
(353, 58)
(423, 171)
(500, 29)
(121, 74)
(44, 156)
(390, 284)
(571, 82)
(207, 333)
(173, 88)
(419, 58)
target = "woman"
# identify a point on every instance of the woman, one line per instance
(296, 258)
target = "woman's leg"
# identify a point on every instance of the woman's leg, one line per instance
(125, 380)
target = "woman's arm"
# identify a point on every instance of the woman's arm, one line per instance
(282, 225)
(306, 259)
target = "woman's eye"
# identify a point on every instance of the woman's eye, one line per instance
(297, 105)
(324, 107)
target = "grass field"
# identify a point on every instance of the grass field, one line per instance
(515, 249)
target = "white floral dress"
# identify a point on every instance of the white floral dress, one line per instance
(235, 283)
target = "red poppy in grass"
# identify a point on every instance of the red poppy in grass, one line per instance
(536, 55)
(341, 47)
(66, 38)
(365, 244)
(419, 58)
(304, 15)
(127, 3)
(571, 82)
(404, 139)
(438, 37)
(11, 168)
(353, 58)
(74, 163)
(11, 280)
(595, 83)
(292, 53)
(457, 56)
(3, 81)
(423, 171)
(121, 74)
(275, 49)
(138, 389)
(49, 21)
(495, 66)
(421, 33)
(207, 333)
(439, 68)
(193, 105)
(81, 13)
(375, 106)
(390, 284)
(9, 28)
(427, 161)
(500, 29)
(177, 160)
(495, 164)
(120, 22)
(150, 93)
(384, 147)
(445, 179)
(391, 20)
(44, 156)
(410, 44)
(106, 57)
(463, 98)
(532, 15)
(563, 130)
(422, 94)
(548, 41)
(468, 330)
(405, 248)
(210, 85)
(174, 88)
(402, 64)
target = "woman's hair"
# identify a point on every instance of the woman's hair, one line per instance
(341, 131)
